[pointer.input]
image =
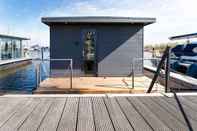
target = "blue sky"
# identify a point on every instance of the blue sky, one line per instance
(23, 17)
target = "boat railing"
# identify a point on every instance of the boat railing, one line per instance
(158, 63)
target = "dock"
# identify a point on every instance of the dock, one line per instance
(14, 63)
(154, 112)
(95, 85)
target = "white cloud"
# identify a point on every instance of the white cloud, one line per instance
(173, 16)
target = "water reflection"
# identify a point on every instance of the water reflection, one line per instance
(21, 79)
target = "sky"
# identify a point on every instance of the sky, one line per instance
(173, 17)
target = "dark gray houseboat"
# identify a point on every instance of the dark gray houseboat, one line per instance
(100, 46)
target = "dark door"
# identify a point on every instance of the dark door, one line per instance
(89, 52)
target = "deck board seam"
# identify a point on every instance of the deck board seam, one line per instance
(157, 116)
(45, 115)
(192, 101)
(77, 118)
(62, 113)
(124, 113)
(176, 106)
(93, 114)
(109, 113)
(175, 116)
(13, 114)
(188, 105)
(183, 112)
(29, 114)
(140, 113)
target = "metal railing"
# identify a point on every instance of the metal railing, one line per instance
(164, 62)
(39, 72)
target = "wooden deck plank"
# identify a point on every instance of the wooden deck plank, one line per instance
(191, 99)
(189, 104)
(148, 115)
(51, 120)
(137, 121)
(35, 118)
(168, 107)
(174, 110)
(11, 106)
(163, 115)
(189, 112)
(68, 120)
(118, 118)
(96, 113)
(6, 103)
(101, 116)
(19, 117)
(85, 115)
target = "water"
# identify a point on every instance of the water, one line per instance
(22, 79)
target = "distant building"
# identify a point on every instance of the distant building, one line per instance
(11, 47)
(100, 46)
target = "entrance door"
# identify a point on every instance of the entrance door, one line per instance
(89, 52)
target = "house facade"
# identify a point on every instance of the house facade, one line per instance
(98, 46)
(11, 47)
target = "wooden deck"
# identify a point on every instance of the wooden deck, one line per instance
(96, 85)
(97, 113)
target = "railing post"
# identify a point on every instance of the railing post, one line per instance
(42, 53)
(167, 71)
(71, 74)
(132, 66)
(37, 75)
(158, 69)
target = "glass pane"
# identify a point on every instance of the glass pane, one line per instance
(89, 46)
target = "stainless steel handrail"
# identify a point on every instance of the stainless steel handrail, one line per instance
(38, 71)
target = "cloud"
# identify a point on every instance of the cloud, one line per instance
(173, 16)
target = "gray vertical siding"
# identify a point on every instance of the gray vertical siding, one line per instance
(116, 46)
(65, 44)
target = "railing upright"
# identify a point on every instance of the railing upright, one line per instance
(38, 77)
(133, 77)
(38, 70)
(167, 71)
(71, 74)
(165, 55)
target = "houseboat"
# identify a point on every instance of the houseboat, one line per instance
(11, 51)
(98, 46)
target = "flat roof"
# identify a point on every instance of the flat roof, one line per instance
(185, 36)
(14, 37)
(98, 19)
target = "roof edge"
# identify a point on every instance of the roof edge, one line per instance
(98, 19)
(184, 36)
(14, 37)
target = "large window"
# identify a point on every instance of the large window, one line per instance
(16, 46)
(6, 49)
(10, 48)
